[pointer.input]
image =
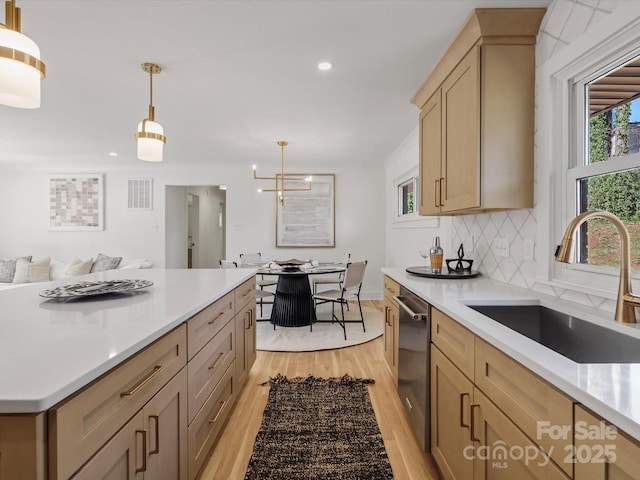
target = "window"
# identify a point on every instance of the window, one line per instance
(607, 177)
(568, 170)
(407, 196)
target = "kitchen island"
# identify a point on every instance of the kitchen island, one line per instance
(488, 358)
(54, 353)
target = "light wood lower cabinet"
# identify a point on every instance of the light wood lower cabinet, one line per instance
(486, 408)
(154, 416)
(25, 459)
(82, 424)
(601, 451)
(245, 342)
(152, 445)
(451, 397)
(206, 426)
(391, 325)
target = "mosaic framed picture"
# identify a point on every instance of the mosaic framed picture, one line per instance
(307, 218)
(76, 202)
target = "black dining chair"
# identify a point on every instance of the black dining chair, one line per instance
(349, 290)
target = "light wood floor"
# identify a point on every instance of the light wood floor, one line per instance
(230, 456)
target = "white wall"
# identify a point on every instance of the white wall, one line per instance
(141, 233)
(406, 239)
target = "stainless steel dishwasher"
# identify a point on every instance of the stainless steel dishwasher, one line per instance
(413, 363)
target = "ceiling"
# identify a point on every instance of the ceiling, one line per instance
(237, 77)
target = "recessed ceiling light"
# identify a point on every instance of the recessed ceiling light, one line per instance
(113, 154)
(325, 66)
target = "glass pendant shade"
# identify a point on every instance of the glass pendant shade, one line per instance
(19, 81)
(150, 149)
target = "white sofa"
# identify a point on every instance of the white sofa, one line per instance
(51, 269)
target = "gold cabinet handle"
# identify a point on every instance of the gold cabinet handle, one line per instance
(248, 292)
(435, 193)
(462, 395)
(142, 382)
(156, 420)
(211, 322)
(472, 431)
(250, 315)
(214, 364)
(143, 433)
(443, 185)
(222, 405)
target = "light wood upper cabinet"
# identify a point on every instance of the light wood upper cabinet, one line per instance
(477, 117)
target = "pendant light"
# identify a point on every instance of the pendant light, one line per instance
(150, 134)
(281, 178)
(21, 69)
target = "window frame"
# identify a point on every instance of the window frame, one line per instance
(414, 179)
(562, 132)
(410, 220)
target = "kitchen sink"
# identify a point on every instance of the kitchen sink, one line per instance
(576, 339)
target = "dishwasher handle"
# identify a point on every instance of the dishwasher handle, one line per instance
(416, 316)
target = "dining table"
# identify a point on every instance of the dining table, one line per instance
(293, 303)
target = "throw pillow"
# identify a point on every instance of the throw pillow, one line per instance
(8, 269)
(30, 272)
(58, 268)
(81, 268)
(103, 263)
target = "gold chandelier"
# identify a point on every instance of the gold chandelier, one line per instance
(150, 134)
(280, 179)
(21, 69)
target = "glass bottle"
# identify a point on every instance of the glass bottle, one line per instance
(435, 256)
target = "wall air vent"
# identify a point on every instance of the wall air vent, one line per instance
(140, 193)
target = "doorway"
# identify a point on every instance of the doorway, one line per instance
(195, 224)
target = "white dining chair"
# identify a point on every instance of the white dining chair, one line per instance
(349, 290)
(331, 279)
(262, 296)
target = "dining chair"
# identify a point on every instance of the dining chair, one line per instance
(331, 279)
(261, 281)
(262, 296)
(349, 290)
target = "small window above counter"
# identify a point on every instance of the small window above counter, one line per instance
(476, 122)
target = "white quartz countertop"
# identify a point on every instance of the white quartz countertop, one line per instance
(50, 349)
(611, 390)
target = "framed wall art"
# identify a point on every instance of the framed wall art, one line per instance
(307, 217)
(76, 202)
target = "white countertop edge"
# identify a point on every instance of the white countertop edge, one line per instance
(549, 365)
(34, 406)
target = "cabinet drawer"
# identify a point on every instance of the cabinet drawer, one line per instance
(526, 399)
(596, 440)
(391, 288)
(205, 324)
(245, 293)
(79, 426)
(206, 369)
(455, 341)
(505, 441)
(208, 423)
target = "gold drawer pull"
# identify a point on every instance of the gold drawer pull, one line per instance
(248, 292)
(250, 315)
(472, 431)
(157, 435)
(211, 322)
(144, 451)
(142, 382)
(222, 405)
(435, 193)
(462, 395)
(214, 364)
